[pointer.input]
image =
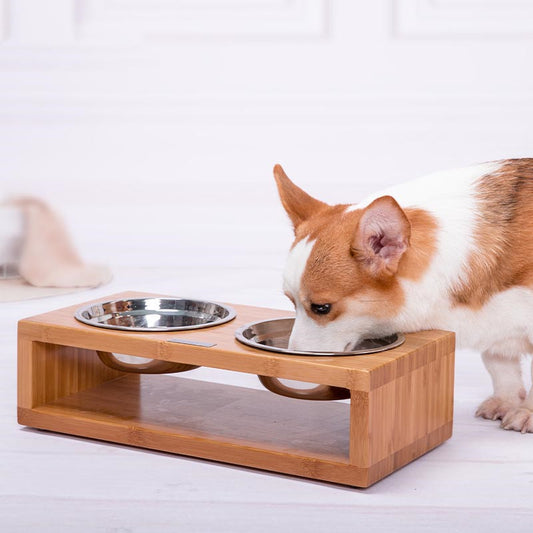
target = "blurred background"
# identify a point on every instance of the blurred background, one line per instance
(152, 126)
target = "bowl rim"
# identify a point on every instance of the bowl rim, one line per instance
(239, 335)
(78, 315)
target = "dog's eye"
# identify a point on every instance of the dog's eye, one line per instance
(321, 309)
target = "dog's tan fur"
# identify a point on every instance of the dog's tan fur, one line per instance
(503, 257)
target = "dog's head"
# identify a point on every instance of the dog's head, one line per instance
(342, 269)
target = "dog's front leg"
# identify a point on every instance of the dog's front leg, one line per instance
(508, 386)
(521, 418)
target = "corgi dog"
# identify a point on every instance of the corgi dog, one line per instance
(452, 251)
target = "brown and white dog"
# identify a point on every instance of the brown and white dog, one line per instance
(452, 250)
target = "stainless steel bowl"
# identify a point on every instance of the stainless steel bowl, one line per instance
(155, 314)
(273, 335)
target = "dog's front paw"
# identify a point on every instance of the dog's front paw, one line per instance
(495, 407)
(519, 419)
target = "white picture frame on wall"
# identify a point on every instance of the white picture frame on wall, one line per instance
(510, 19)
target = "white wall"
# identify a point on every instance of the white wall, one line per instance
(163, 118)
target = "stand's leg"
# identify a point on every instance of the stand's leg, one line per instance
(360, 437)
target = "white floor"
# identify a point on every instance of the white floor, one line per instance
(481, 480)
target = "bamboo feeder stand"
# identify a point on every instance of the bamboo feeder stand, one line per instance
(400, 407)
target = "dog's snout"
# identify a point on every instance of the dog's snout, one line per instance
(297, 346)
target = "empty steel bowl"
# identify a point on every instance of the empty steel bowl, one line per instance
(155, 314)
(273, 335)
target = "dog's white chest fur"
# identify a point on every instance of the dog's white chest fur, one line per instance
(503, 325)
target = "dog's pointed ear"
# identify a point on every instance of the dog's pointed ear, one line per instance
(382, 237)
(298, 204)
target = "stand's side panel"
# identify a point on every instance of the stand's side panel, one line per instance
(47, 372)
(397, 422)
(411, 415)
